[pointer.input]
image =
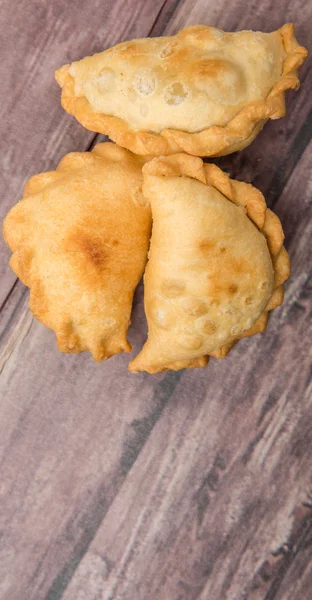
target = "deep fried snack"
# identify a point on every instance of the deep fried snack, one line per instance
(216, 264)
(203, 91)
(80, 238)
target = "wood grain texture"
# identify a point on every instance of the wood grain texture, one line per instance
(190, 485)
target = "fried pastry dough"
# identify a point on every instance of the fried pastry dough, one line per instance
(79, 239)
(216, 265)
(203, 91)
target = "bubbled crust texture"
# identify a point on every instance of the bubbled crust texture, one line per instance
(217, 263)
(224, 86)
(79, 239)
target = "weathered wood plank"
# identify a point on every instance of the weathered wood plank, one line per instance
(15, 320)
(233, 16)
(297, 581)
(62, 427)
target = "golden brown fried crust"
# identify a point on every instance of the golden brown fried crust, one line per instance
(237, 132)
(79, 239)
(253, 204)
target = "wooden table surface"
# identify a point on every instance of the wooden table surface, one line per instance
(179, 486)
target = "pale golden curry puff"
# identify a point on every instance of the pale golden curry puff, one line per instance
(203, 91)
(80, 238)
(216, 265)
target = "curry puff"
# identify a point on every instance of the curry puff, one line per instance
(217, 263)
(80, 239)
(203, 91)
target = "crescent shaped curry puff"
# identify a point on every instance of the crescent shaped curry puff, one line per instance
(80, 239)
(216, 266)
(203, 91)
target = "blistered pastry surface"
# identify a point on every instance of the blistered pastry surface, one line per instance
(196, 79)
(211, 272)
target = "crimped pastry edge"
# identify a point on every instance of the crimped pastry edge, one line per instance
(213, 141)
(253, 202)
